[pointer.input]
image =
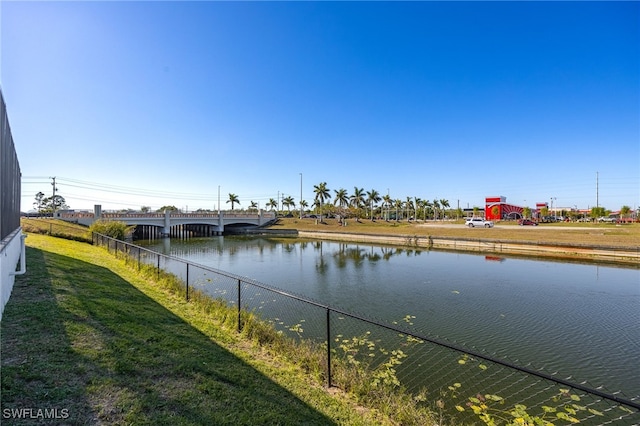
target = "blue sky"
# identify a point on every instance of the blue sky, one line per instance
(162, 103)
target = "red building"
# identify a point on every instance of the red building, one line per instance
(539, 207)
(496, 208)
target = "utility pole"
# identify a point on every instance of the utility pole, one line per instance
(597, 195)
(53, 198)
(300, 195)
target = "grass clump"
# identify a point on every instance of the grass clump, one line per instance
(113, 229)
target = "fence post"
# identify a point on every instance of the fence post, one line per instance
(158, 270)
(328, 347)
(139, 250)
(187, 282)
(239, 308)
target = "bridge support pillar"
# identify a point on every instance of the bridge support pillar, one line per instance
(167, 223)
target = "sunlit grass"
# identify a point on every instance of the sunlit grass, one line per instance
(56, 228)
(625, 236)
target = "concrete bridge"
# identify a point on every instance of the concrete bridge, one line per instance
(172, 223)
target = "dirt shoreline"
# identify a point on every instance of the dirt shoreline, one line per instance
(607, 254)
(508, 240)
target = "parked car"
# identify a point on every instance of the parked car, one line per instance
(607, 219)
(527, 222)
(474, 222)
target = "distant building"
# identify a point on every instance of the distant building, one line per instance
(497, 208)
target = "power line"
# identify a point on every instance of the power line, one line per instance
(93, 186)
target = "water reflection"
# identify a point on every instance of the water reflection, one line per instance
(342, 254)
(579, 319)
(494, 259)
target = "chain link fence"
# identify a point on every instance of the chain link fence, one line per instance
(465, 385)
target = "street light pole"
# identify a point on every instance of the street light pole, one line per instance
(300, 195)
(388, 206)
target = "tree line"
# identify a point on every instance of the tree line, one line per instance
(358, 204)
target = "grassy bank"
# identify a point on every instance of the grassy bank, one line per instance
(56, 228)
(89, 339)
(625, 236)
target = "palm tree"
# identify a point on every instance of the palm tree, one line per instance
(426, 204)
(436, 207)
(233, 199)
(445, 204)
(418, 205)
(387, 202)
(288, 202)
(303, 205)
(341, 199)
(373, 197)
(322, 194)
(253, 206)
(398, 205)
(273, 204)
(409, 206)
(357, 200)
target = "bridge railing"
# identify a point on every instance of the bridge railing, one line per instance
(225, 213)
(132, 215)
(462, 383)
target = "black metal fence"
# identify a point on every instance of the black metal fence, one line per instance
(466, 383)
(9, 177)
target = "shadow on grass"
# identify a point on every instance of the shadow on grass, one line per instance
(79, 339)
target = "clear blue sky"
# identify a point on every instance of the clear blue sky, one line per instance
(155, 103)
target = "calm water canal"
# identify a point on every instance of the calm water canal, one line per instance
(582, 320)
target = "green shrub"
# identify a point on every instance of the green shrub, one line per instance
(113, 229)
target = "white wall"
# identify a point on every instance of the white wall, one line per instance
(10, 251)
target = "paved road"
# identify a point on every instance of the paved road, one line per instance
(459, 226)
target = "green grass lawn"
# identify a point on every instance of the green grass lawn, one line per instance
(86, 335)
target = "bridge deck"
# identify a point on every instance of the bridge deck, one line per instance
(169, 219)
